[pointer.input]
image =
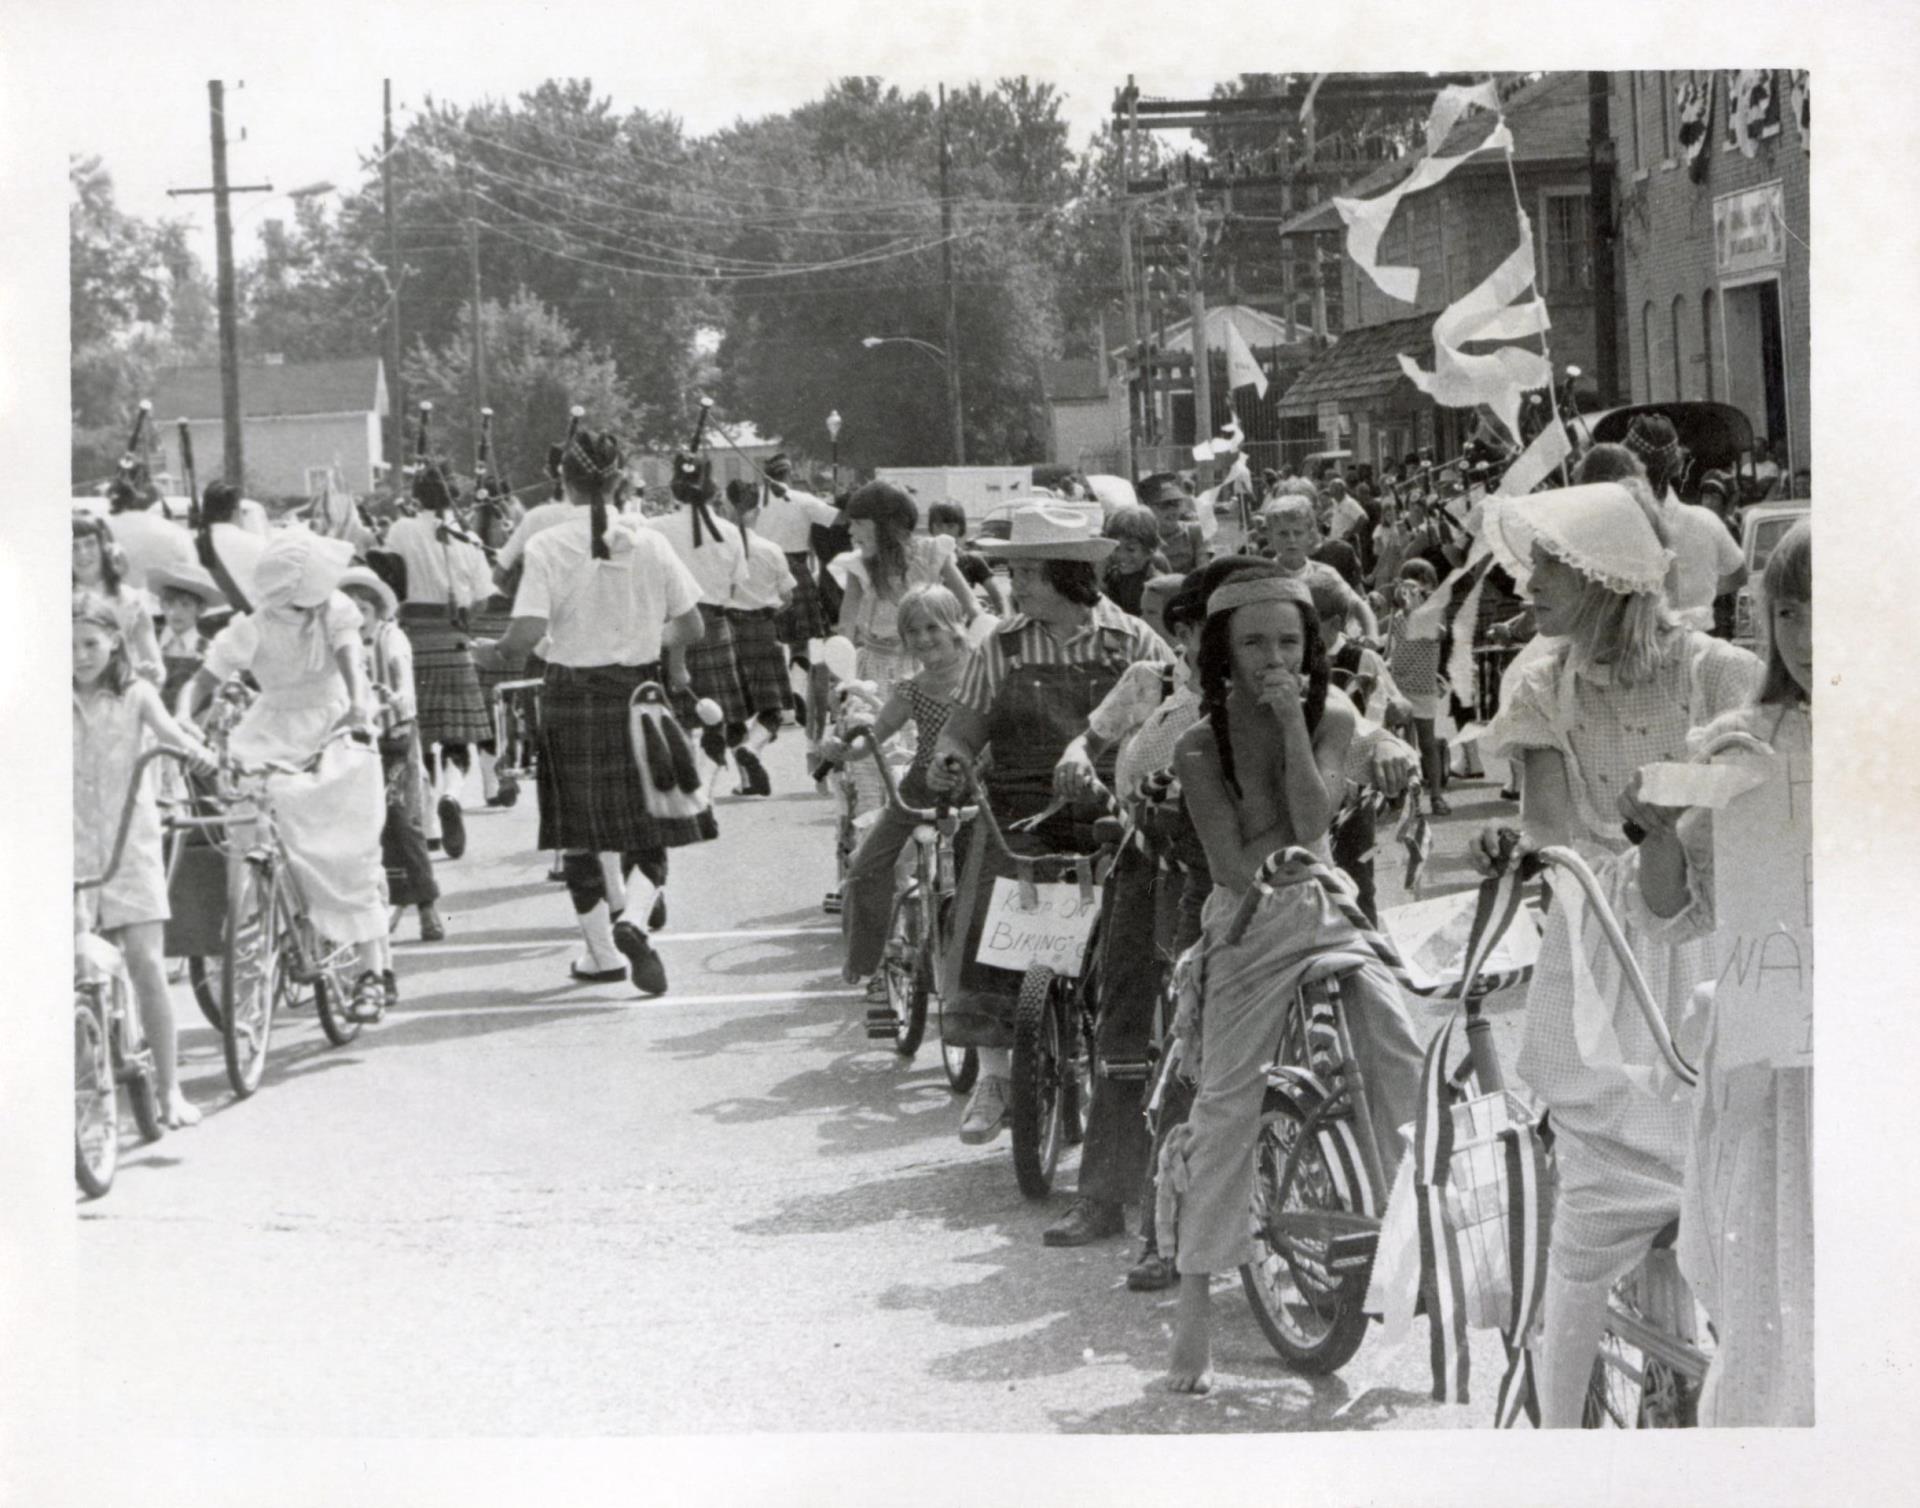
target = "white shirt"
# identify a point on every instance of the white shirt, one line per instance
(769, 577)
(539, 516)
(149, 539)
(439, 571)
(787, 520)
(1705, 551)
(603, 612)
(719, 566)
(1347, 513)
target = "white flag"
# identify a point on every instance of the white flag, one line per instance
(1367, 218)
(1242, 369)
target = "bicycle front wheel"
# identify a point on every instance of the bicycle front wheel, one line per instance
(205, 979)
(1037, 1115)
(903, 969)
(252, 975)
(962, 1064)
(1311, 1314)
(331, 995)
(96, 1108)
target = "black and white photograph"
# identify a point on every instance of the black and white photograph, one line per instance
(870, 731)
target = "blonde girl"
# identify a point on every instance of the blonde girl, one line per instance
(100, 568)
(1621, 685)
(115, 715)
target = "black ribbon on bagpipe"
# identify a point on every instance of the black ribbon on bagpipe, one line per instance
(692, 482)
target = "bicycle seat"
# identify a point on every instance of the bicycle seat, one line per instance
(1328, 966)
(1108, 831)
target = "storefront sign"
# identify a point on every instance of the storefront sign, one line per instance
(1750, 230)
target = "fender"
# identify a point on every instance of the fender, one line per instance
(1332, 1123)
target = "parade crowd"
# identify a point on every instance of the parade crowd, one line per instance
(1062, 662)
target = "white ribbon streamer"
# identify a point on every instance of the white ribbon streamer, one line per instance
(1367, 219)
(1488, 313)
(1536, 463)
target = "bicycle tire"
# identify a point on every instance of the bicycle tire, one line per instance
(962, 1064)
(205, 982)
(1629, 1387)
(143, 1098)
(901, 968)
(1036, 1112)
(251, 977)
(1318, 1330)
(96, 1108)
(333, 1001)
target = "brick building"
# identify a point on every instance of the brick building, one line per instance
(305, 425)
(1455, 234)
(1714, 296)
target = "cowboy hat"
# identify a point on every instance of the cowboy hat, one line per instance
(1042, 530)
(191, 579)
(1165, 487)
(366, 579)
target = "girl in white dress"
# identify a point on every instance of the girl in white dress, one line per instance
(888, 559)
(1746, 1224)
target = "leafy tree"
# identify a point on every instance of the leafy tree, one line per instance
(538, 366)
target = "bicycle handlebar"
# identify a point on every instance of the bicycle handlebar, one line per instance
(938, 812)
(234, 769)
(126, 812)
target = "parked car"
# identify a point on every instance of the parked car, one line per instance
(1761, 528)
(1717, 437)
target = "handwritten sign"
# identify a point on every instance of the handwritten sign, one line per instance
(1052, 931)
(1432, 938)
(1763, 944)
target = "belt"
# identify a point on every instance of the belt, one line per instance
(749, 612)
(563, 674)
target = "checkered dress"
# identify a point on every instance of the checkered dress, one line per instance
(758, 659)
(591, 796)
(453, 709)
(1604, 732)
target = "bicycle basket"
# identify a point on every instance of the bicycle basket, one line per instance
(1480, 1203)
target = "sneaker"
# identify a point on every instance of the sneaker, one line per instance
(649, 973)
(877, 989)
(390, 986)
(1153, 1272)
(453, 827)
(986, 1113)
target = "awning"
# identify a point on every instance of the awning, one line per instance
(1361, 364)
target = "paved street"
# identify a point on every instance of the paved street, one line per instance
(523, 1206)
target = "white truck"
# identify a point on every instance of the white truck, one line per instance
(978, 489)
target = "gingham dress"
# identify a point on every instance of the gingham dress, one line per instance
(1604, 732)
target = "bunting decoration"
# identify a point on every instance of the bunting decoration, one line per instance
(1242, 369)
(1797, 97)
(1695, 100)
(1750, 106)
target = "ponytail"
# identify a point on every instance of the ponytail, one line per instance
(590, 463)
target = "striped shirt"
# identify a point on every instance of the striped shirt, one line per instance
(1035, 644)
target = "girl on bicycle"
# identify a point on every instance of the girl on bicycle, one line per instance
(931, 624)
(1265, 771)
(1746, 1224)
(114, 714)
(888, 559)
(301, 643)
(1621, 685)
(99, 568)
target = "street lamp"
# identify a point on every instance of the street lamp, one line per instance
(953, 381)
(833, 437)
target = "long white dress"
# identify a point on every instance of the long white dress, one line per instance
(330, 818)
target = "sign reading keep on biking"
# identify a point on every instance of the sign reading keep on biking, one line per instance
(1051, 931)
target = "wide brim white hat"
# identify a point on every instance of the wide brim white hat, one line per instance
(1042, 530)
(1599, 529)
(368, 580)
(299, 568)
(191, 579)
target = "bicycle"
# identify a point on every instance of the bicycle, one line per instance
(109, 1046)
(846, 789)
(921, 927)
(1320, 1181)
(271, 946)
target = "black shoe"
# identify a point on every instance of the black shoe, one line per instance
(1438, 805)
(596, 976)
(799, 710)
(1153, 1273)
(657, 917)
(1089, 1220)
(390, 984)
(453, 827)
(434, 845)
(649, 973)
(369, 1001)
(753, 774)
(508, 793)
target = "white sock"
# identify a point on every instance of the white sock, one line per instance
(996, 1062)
(489, 781)
(615, 882)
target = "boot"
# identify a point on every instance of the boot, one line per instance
(602, 963)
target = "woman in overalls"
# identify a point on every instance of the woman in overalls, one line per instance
(1029, 693)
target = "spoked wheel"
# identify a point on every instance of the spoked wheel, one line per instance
(96, 1108)
(962, 1064)
(1311, 1316)
(1041, 1098)
(903, 968)
(252, 976)
(1647, 1375)
(204, 976)
(332, 996)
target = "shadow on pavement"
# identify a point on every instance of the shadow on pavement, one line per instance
(861, 1102)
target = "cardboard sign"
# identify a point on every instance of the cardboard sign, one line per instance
(1763, 900)
(1432, 938)
(1053, 931)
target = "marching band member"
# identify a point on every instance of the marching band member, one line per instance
(788, 517)
(756, 642)
(447, 575)
(613, 599)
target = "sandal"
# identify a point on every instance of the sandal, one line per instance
(369, 1001)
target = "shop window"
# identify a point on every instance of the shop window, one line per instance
(1566, 261)
(1679, 348)
(1633, 122)
(1647, 364)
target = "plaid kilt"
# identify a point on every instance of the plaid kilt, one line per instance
(711, 667)
(591, 795)
(446, 684)
(805, 617)
(758, 658)
(491, 621)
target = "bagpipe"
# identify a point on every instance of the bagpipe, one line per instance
(133, 478)
(693, 484)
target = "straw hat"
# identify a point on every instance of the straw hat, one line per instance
(1040, 530)
(1597, 528)
(191, 579)
(365, 579)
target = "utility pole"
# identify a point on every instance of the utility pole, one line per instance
(473, 267)
(396, 398)
(953, 313)
(233, 455)
(1606, 310)
(1197, 309)
(1138, 394)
